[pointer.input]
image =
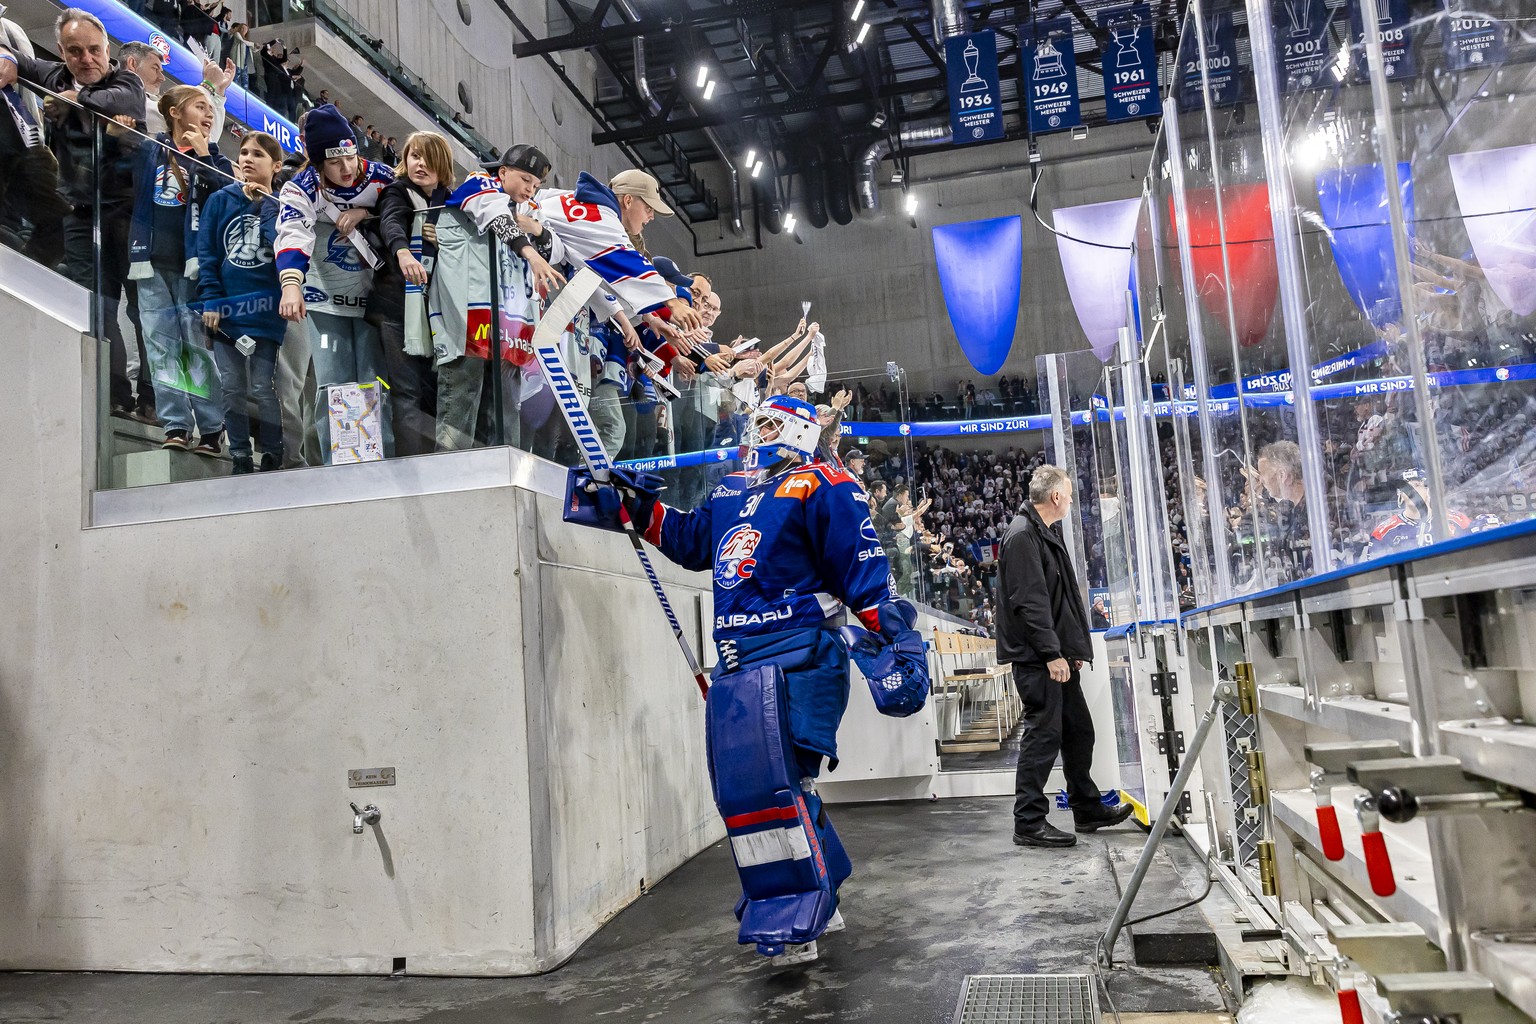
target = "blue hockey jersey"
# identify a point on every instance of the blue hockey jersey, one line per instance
(787, 553)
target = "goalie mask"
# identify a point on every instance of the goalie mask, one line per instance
(781, 428)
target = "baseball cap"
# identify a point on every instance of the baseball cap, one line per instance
(853, 453)
(521, 157)
(638, 183)
(667, 268)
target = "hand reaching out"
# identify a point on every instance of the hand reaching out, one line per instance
(350, 219)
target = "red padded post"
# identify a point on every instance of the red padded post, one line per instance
(1378, 864)
(1349, 1005)
(1328, 830)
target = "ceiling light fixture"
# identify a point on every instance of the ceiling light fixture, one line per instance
(709, 88)
(911, 205)
(757, 168)
(703, 76)
(751, 157)
(789, 223)
(878, 121)
(858, 9)
(863, 32)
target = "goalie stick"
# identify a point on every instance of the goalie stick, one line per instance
(546, 347)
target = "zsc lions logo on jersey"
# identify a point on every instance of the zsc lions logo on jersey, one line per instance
(243, 244)
(341, 253)
(734, 561)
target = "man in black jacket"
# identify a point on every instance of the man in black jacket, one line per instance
(1042, 630)
(113, 97)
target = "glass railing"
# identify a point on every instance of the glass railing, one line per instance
(1349, 350)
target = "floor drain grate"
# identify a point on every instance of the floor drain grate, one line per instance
(1028, 999)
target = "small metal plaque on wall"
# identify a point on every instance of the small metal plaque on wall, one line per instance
(365, 778)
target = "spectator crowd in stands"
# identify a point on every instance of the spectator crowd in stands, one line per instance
(257, 285)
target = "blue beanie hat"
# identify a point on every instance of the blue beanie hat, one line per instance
(327, 134)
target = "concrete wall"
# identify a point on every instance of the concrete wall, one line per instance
(180, 703)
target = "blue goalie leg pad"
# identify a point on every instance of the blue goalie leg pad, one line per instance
(788, 885)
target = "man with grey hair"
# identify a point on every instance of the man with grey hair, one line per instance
(113, 96)
(1042, 631)
(145, 61)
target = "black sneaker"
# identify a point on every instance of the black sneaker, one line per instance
(208, 446)
(242, 464)
(269, 462)
(1102, 816)
(177, 440)
(1043, 834)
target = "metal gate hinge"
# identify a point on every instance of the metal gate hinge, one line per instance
(1164, 684)
(1247, 688)
(1268, 877)
(1258, 780)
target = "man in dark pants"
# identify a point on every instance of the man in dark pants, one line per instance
(1042, 630)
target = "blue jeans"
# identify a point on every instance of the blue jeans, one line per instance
(346, 350)
(178, 361)
(241, 386)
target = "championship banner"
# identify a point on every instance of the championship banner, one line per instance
(1304, 43)
(1129, 63)
(1472, 40)
(1049, 66)
(1219, 67)
(1250, 251)
(181, 64)
(1094, 242)
(1496, 190)
(981, 264)
(1394, 29)
(1353, 202)
(975, 91)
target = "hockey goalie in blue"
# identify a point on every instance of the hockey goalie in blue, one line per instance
(792, 549)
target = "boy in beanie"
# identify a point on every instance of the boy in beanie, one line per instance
(324, 263)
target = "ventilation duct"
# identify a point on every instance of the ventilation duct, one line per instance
(786, 47)
(813, 172)
(840, 184)
(949, 19)
(653, 105)
(936, 133)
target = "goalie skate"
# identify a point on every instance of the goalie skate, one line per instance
(803, 953)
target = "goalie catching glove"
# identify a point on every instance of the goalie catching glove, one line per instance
(590, 503)
(894, 661)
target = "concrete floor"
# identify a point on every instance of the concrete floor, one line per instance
(939, 891)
